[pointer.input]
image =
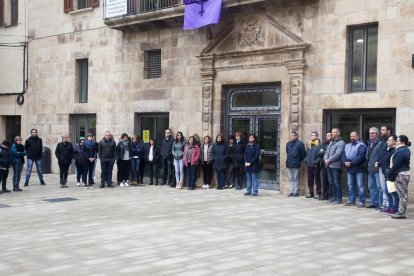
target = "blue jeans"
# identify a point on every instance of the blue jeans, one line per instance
(293, 179)
(38, 168)
(252, 180)
(334, 176)
(353, 180)
(221, 177)
(17, 173)
(179, 170)
(192, 176)
(135, 168)
(393, 199)
(375, 190)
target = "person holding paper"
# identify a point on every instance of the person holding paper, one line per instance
(400, 173)
(389, 187)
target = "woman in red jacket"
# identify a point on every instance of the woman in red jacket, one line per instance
(191, 160)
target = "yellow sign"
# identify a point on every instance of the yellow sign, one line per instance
(145, 136)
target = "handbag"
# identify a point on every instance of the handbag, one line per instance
(391, 186)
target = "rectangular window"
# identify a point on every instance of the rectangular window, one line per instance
(82, 68)
(363, 54)
(70, 5)
(14, 13)
(9, 12)
(153, 124)
(82, 4)
(152, 65)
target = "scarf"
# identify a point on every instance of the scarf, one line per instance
(313, 142)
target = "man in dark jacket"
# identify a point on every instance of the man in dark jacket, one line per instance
(374, 183)
(237, 157)
(326, 189)
(353, 157)
(167, 159)
(296, 152)
(386, 131)
(5, 163)
(107, 155)
(313, 162)
(34, 149)
(64, 154)
(90, 148)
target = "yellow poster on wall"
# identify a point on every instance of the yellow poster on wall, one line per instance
(145, 136)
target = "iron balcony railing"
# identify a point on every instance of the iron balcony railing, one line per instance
(138, 7)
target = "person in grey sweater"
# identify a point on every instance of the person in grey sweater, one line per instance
(107, 155)
(374, 183)
(333, 164)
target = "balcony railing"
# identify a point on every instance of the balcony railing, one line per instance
(134, 7)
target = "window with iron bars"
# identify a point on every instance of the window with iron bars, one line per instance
(152, 64)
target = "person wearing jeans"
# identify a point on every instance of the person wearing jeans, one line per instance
(374, 182)
(295, 150)
(252, 166)
(192, 156)
(333, 163)
(178, 153)
(353, 157)
(18, 152)
(392, 198)
(206, 161)
(167, 159)
(34, 149)
(107, 155)
(219, 154)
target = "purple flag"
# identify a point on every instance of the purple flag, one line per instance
(201, 13)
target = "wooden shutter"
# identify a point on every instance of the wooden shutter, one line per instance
(93, 3)
(14, 12)
(67, 6)
(1, 13)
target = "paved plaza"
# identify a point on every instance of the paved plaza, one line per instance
(157, 230)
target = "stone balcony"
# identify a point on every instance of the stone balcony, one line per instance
(133, 14)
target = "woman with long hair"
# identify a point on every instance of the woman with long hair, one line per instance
(152, 156)
(191, 161)
(80, 158)
(219, 154)
(206, 161)
(124, 160)
(178, 153)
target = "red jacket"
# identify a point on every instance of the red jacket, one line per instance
(195, 155)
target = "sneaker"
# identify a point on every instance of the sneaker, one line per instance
(122, 184)
(295, 194)
(361, 205)
(231, 186)
(336, 203)
(290, 195)
(42, 183)
(17, 190)
(309, 196)
(26, 184)
(349, 204)
(78, 184)
(86, 187)
(391, 212)
(126, 184)
(247, 194)
(397, 215)
(207, 186)
(203, 187)
(90, 187)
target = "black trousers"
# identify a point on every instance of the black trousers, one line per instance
(207, 168)
(63, 171)
(141, 170)
(326, 191)
(124, 169)
(107, 165)
(3, 178)
(153, 172)
(314, 179)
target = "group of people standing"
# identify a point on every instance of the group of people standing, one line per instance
(231, 160)
(384, 160)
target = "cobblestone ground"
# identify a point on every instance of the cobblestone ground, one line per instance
(155, 230)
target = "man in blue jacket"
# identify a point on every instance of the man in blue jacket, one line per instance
(353, 158)
(295, 151)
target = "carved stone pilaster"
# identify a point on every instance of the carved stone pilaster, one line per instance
(296, 72)
(207, 77)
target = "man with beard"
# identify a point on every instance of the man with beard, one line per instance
(34, 149)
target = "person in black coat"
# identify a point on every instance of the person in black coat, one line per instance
(80, 158)
(152, 156)
(237, 157)
(252, 166)
(34, 149)
(64, 153)
(167, 159)
(5, 163)
(18, 153)
(219, 155)
(296, 152)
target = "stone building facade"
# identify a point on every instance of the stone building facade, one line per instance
(269, 67)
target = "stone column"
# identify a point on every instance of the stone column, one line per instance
(207, 79)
